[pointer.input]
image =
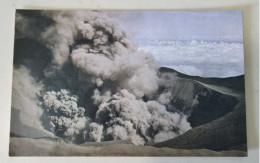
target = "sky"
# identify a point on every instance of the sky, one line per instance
(211, 41)
(185, 25)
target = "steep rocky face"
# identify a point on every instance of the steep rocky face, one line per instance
(210, 107)
(217, 116)
(225, 133)
(199, 102)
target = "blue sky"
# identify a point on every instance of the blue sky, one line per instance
(185, 25)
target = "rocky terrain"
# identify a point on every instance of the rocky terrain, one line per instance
(218, 120)
(225, 133)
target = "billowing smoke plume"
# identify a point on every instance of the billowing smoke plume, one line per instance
(90, 56)
(127, 118)
(62, 114)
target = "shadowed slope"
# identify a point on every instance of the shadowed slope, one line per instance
(225, 133)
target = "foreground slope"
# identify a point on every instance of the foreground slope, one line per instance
(225, 133)
(42, 147)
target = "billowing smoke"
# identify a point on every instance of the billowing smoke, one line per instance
(96, 85)
(127, 118)
(24, 97)
(62, 115)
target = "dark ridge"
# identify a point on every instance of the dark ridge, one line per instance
(236, 83)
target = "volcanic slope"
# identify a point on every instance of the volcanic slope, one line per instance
(225, 131)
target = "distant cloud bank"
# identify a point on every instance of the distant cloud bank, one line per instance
(198, 58)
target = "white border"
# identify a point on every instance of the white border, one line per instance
(251, 42)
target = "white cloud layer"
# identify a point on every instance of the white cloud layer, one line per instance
(198, 58)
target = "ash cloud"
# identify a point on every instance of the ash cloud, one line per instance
(115, 84)
(62, 115)
(127, 118)
(24, 97)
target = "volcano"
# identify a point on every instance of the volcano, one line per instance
(82, 86)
